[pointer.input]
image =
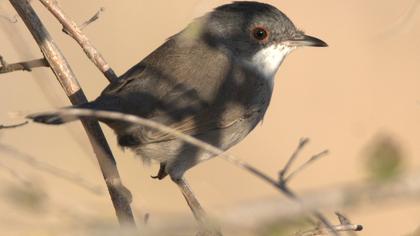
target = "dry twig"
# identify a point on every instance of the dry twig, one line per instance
(73, 90)
(283, 181)
(48, 168)
(69, 114)
(75, 32)
(25, 66)
(13, 126)
(344, 226)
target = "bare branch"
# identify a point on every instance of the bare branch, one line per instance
(344, 226)
(58, 63)
(48, 168)
(22, 66)
(13, 126)
(71, 113)
(283, 181)
(301, 145)
(306, 164)
(75, 32)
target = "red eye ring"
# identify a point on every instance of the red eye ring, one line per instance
(259, 33)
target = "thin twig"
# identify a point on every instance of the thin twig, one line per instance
(13, 126)
(327, 231)
(88, 22)
(50, 169)
(75, 32)
(301, 145)
(70, 114)
(344, 226)
(306, 164)
(92, 19)
(283, 181)
(22, 66)
(58, 63)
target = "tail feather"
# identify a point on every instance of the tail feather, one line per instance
(49, 119)
(54, 118)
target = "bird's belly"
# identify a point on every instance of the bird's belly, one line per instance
(178, 151)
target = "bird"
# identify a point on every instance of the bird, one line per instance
(213, 80)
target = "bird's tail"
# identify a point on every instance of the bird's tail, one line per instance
(55, 118)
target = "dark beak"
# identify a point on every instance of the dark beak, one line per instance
(308, 41)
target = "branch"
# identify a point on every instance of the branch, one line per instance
(344, 226)
(48, 168)
(63, 72)
(13, 126)
(283, 180)
(25, 66)
(71, 113)
(74, 31)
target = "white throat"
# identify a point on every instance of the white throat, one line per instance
(268, 60)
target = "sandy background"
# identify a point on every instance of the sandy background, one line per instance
(342, 97)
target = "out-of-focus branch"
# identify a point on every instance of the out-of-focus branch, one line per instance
(74, 31)
(66, 77)
(13, 126)
(327, 231)
(25, 66)
(15, 154)
(284, 181)
(344, 226)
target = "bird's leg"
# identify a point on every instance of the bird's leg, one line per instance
(206, 227)
(199, 213)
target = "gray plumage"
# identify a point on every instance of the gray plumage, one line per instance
(204, 81)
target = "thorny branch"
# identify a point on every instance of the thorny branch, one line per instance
(69, 114)
(119, 194)
(76, 33)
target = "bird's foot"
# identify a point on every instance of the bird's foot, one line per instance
(162, 172)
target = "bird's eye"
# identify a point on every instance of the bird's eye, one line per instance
(259, 33)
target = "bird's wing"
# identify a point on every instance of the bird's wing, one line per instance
(195, 125)
(184, 94)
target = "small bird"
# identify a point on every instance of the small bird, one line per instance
(213, 81)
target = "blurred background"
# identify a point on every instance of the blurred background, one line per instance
(358, 98)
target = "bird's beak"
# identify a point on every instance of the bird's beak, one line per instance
(306, 40)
